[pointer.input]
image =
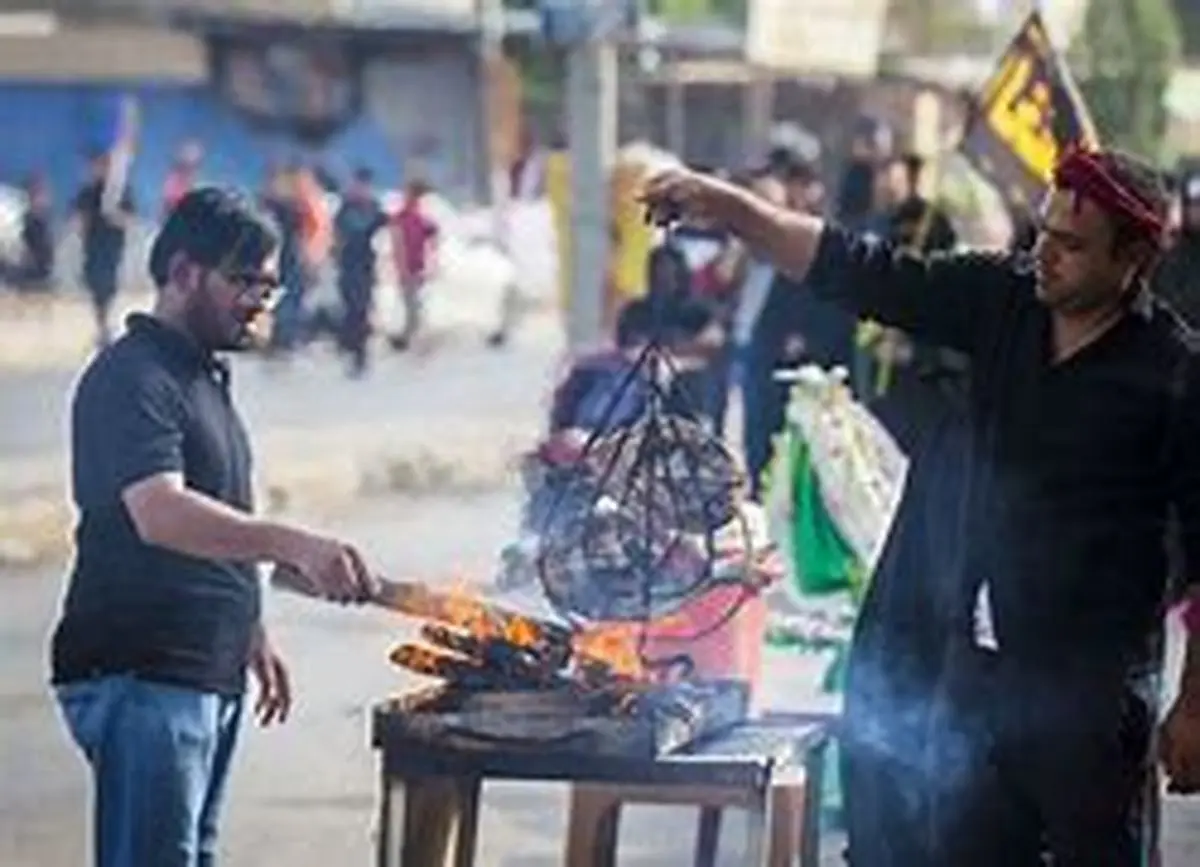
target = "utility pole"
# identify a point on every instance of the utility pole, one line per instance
(489, 16)
(592, 139)
(588, 30)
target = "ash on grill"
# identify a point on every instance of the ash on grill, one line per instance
(538, 689)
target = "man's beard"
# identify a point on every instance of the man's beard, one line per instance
(215, 331)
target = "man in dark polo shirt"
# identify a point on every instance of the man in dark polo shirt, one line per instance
(1084, 436)
(161, 617)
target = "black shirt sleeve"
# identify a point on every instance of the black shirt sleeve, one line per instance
(942, 299)
(568, 397)
(1184, 470)
(129, 424)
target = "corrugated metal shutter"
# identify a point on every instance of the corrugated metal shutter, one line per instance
(427, 105)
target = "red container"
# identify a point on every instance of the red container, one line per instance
(722, 631)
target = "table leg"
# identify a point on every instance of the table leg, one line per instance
(814, 790)
(594, 825)
(467, 838)
(389, 834)
(434, 823)
(708, 837)
(756, 832)
(786, 816)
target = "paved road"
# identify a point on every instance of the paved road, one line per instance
(303, 795)
(462, 379)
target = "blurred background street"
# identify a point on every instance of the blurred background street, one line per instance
(515, 133)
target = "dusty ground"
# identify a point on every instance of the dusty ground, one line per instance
(303, 794)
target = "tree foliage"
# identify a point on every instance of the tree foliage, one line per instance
(1188, 13)
(1126, 53)
(928, 27)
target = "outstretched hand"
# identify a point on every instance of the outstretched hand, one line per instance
(676, 194)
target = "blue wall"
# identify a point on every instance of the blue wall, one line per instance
(51, 127)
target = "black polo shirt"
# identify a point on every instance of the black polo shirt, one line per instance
(1073, 466)
(154, 402)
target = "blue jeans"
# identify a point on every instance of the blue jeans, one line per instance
(160, 756)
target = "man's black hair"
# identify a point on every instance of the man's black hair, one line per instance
(800, 173)
(215, 228)
(364, 175)
(1145, 182)
(914, 167)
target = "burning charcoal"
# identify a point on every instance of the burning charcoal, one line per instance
(454, 640)
(475, 663)
(432, 662)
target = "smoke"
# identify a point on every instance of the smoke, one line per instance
(908, 734)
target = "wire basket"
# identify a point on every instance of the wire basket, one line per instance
(648, 516)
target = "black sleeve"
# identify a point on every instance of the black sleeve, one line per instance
(942, 299)
(1184, 469)
(128, 426)
(567, 398)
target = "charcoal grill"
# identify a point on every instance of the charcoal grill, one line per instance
(652, 721)
(431, 781)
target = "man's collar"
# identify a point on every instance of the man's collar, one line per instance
(174, 342)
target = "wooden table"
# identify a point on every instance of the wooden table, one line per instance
(429, 796)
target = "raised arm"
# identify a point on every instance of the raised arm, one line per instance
(942, 299)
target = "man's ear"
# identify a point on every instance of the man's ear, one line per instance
(1138, 260)
(182, 273)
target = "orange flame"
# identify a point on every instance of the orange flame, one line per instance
(618, 646)
(475, 617)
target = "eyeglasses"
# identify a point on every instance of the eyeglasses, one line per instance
(262, 288)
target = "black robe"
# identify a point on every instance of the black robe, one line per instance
(898, 654)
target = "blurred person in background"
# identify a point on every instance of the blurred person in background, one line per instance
(711, 259)
(321, 316)
(910, 380)
(414, 252)
(355, 228)
(870, 148)
(183, 176)
(527, 174)
(104, 220)
(915, 222)
(282, 202)
(598, 393)
(1177, 280)
(33, 270)
(316, 222)
(775, 328)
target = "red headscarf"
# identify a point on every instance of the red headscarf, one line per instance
(1086, 173)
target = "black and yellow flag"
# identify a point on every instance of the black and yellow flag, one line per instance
(1027, 114)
